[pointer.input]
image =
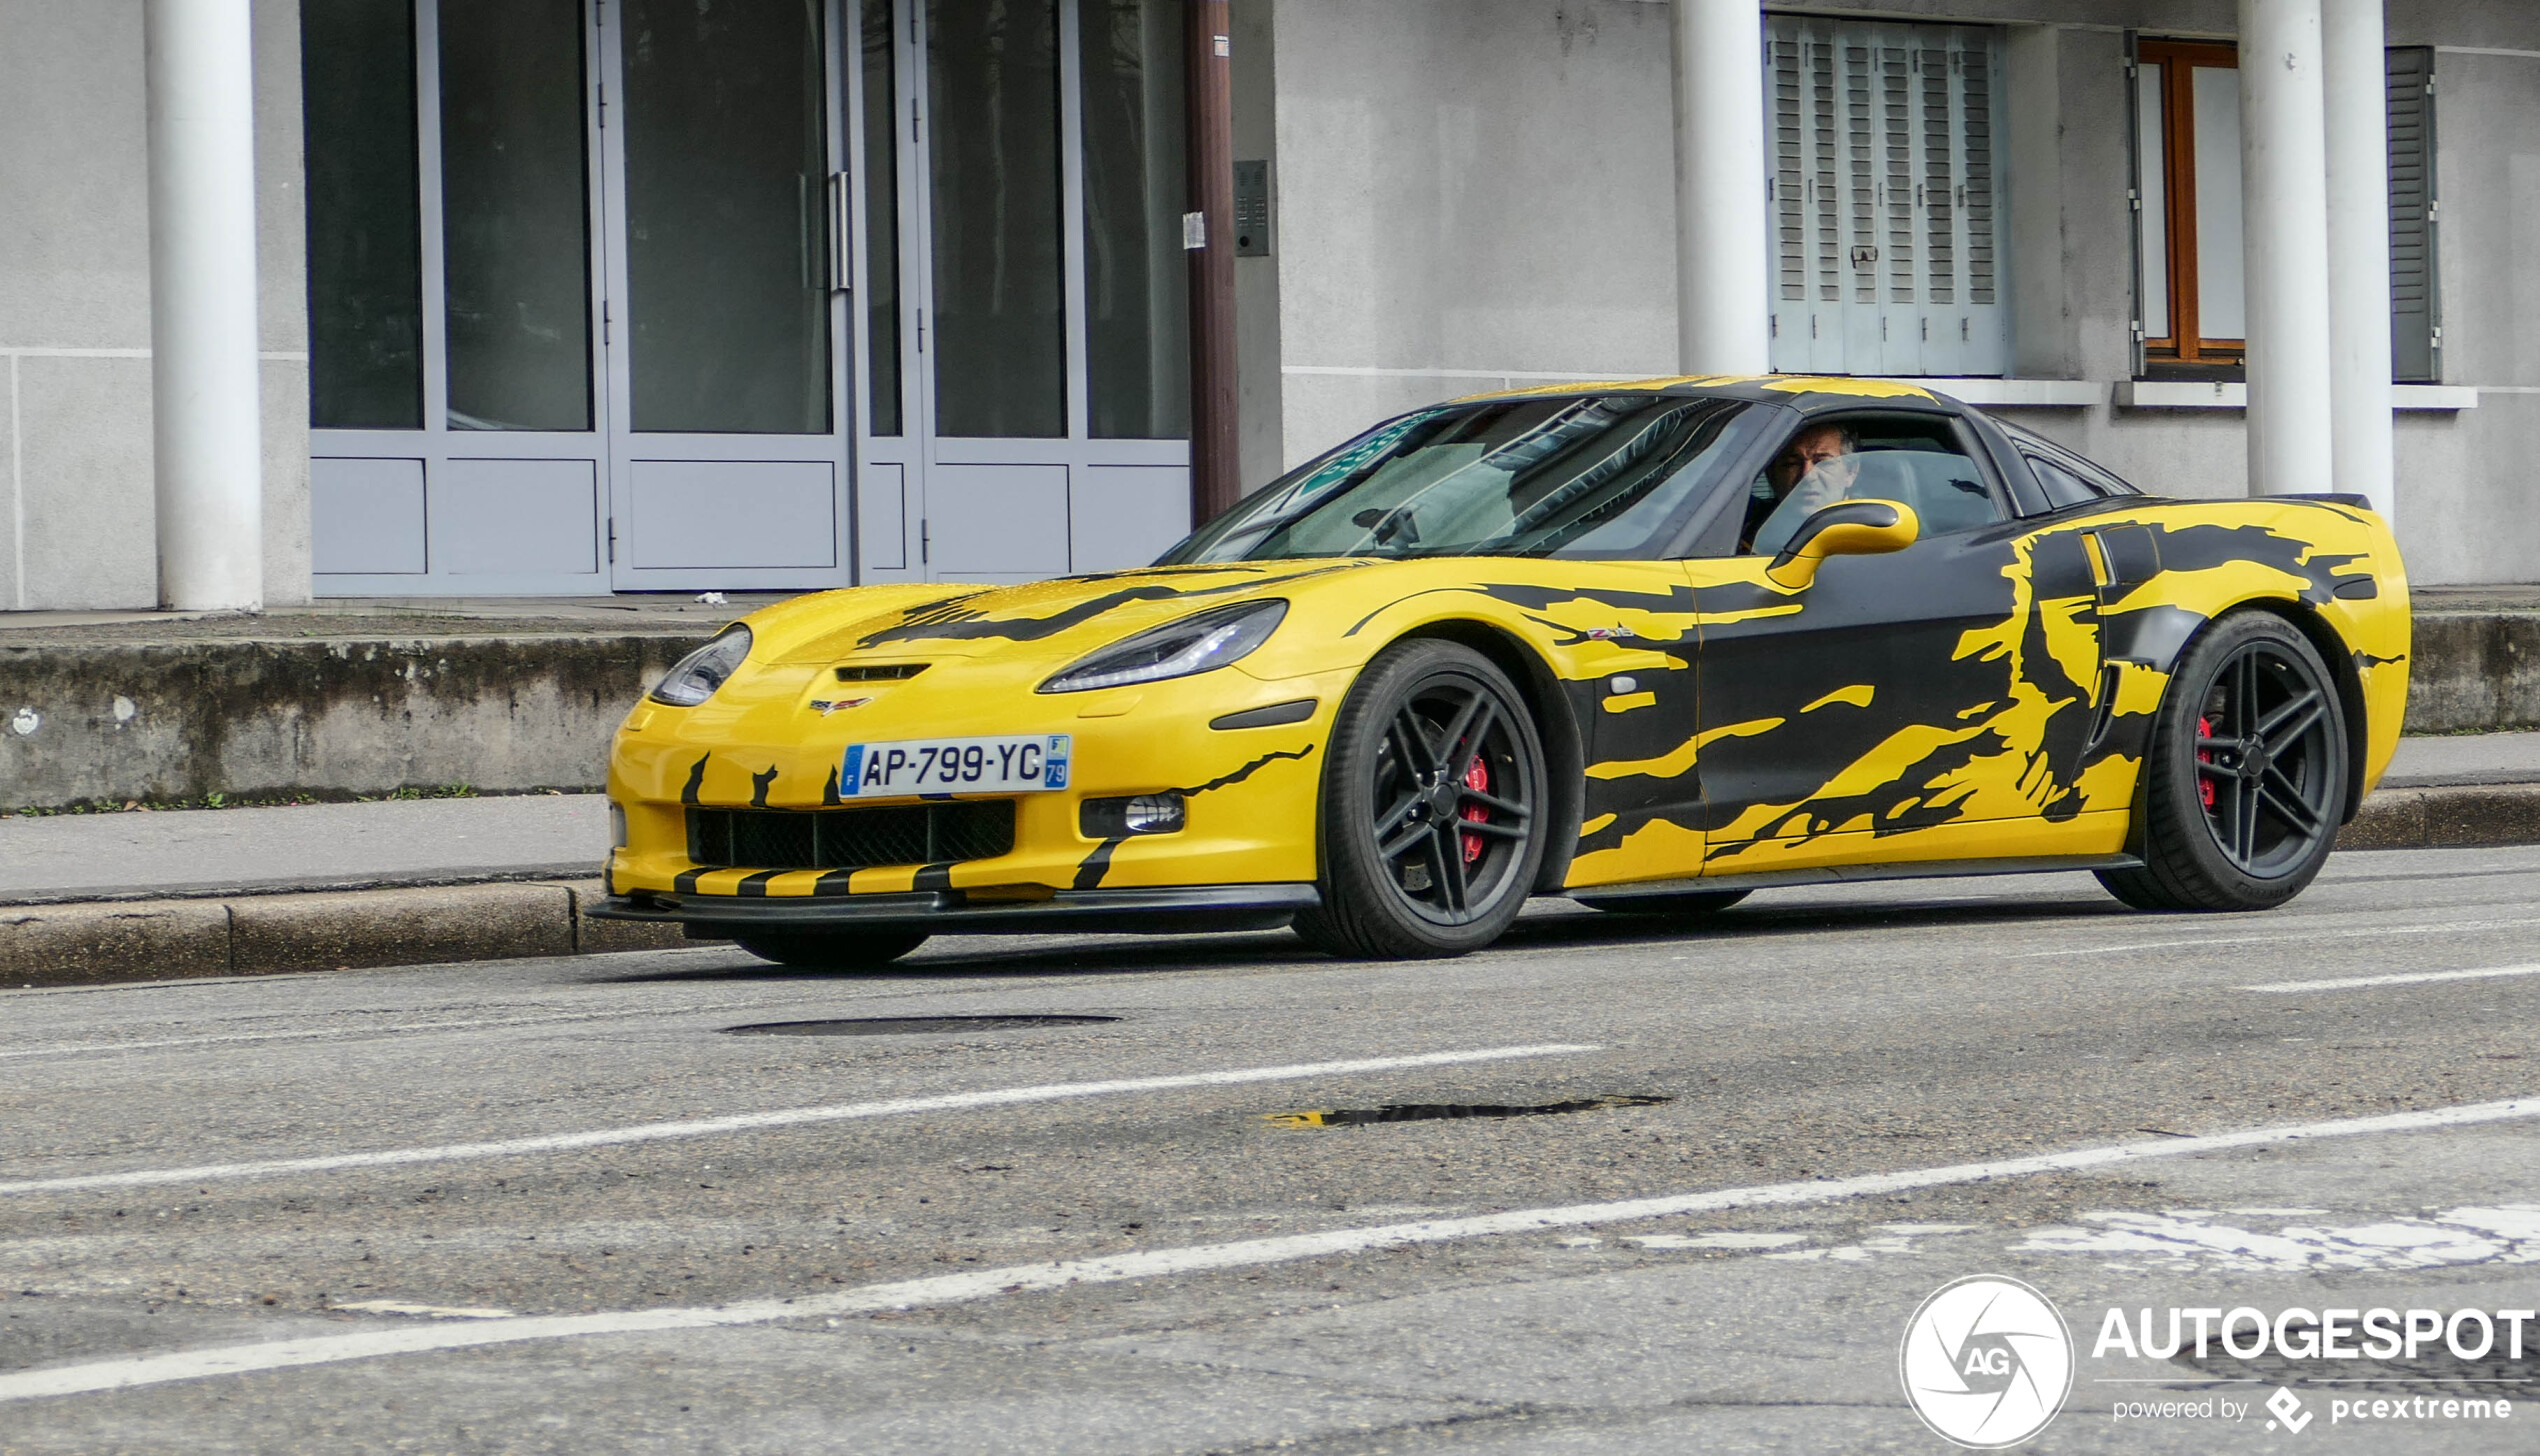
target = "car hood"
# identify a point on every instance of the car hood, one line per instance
(1055, 621)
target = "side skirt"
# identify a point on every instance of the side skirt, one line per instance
(1842, 874)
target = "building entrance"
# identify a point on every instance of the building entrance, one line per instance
(662, 294)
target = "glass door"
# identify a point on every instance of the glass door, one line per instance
(456, 417)
(1027, 408)
(725, 307)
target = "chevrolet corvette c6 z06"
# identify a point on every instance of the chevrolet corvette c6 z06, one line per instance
(1648, 645)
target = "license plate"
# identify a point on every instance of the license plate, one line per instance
(1028, 764)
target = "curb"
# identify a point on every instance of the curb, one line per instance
(101, 943)
(2465, 816)
(98, 943)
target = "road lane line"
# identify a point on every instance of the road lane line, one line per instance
(74, 1048)
(139, 1370)
(2361, 932)
(2410, 978)
(789, 1117)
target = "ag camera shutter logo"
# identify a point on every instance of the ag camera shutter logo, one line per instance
(1987, 1362)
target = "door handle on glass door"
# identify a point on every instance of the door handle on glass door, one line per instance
(841, 279)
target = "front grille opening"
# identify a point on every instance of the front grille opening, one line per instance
(880, 672)
(850, 839)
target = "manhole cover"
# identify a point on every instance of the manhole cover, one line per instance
(1430, 1111)
(910, 1025)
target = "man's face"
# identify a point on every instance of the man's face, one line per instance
(1812, 449)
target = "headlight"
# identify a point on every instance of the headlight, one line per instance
(702, 671)
(1202, 642)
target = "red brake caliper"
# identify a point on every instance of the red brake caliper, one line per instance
(1476, 778)
(2204, 785)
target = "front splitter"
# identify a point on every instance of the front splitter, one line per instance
(1167, 911)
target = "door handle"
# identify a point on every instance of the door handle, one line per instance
(840, 275)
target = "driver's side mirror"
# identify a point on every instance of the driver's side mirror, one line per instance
(1846, 528)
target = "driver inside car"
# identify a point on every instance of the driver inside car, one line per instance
(1812, 472)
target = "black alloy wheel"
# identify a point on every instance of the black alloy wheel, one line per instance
(1433, 808)
(832, 950)
(2246, 781)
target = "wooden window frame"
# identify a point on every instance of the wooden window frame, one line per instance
(2184, 344)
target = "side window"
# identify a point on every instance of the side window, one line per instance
(1915, 460)
(2062, 487)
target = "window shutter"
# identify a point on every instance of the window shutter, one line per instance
(1885, 198)
(2416, 319)
(1807, 241)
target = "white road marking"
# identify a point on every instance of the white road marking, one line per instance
(2358, 933)
(942, 1289)
(761, 1121)
(73, 1048)
(2189, 1239)
(2411, 978)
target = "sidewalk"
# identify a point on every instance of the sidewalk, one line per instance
(93, 898)
(191, 853)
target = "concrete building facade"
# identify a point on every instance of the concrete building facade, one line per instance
(580, 296)
(1478, 194)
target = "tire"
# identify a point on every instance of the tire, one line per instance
(836, 950)
(1433, 808)
(2244, 783)
(1690, 905)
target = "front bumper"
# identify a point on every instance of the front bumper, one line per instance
(1163, 911)
(1251, 794)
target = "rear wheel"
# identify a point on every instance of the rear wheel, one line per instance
(1432, 808)
(1690, 905)
(833, 950)
(2244, 784)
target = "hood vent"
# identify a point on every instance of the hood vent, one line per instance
(881, 672)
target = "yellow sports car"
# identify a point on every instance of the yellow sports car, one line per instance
(1648, 645)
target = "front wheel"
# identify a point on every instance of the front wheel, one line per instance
(1432, 808)
(2244, 784)
(836, 950)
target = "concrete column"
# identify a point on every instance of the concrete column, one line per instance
(2284, 209)
(203, 370)
(1723, 309)
(2356, 86)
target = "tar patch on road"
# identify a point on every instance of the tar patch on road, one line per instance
(1432, 1111)
(910, 1025)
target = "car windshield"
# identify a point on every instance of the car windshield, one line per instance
(1609, 476)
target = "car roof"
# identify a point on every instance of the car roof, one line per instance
(1807, 393)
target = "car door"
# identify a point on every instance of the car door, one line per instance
(1899, 703)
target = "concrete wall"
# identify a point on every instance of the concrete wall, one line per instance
(1475, 191)
(2466, 497)
(180, 719)
(1469, 185)
(77, 518)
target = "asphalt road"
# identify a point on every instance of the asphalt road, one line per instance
(560, 1206)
